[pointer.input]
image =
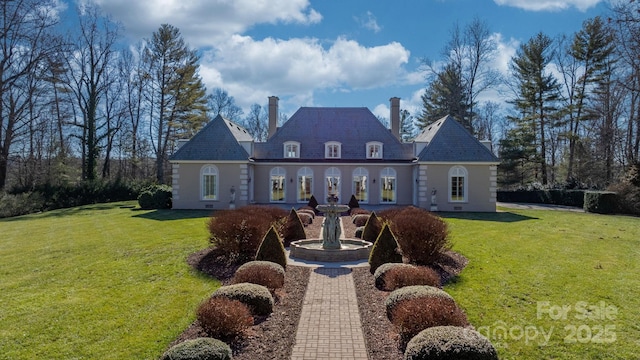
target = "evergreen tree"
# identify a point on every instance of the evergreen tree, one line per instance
(177, 95)
(445, 96)
(538, 92)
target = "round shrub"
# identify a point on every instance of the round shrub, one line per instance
(384, 250)
(414, 315)
(305, 218)
(360, 219)
(410, 275)
(272, 249)
(358, 211)
(359, 231)
(221, 317)
(381, 273)
(412, 292)
(155, 197)
(199, 349)
(422, 236)
(450, 343)
(265, 273)
(256, 297)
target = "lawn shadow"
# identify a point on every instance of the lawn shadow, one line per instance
(59, 213)
(170, 214)
(506, 217)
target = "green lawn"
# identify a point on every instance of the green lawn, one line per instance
(98, 282)
(551, 285)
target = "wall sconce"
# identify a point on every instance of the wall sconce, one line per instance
(374, 180)
(417, 180)
(291, 180)
(248, 180)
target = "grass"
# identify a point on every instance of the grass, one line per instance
(98, 282)
(538, 281)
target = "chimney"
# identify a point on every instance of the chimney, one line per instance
(487, 144)
(273, 115)
(395, 116)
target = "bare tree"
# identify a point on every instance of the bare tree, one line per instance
(256, 123)
(221, 103)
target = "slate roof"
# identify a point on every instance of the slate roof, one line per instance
(448, 141)
(312, 127)
(218, 140)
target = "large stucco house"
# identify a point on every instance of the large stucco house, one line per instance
(346, 151)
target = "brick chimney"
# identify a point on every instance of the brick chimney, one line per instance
(395, 116)
(273, 115)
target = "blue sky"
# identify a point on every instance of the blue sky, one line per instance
(338, 53)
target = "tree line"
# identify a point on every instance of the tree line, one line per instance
(573, 118)
(80, 105)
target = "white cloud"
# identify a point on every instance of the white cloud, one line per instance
(253, 69)
(549, 5)
(203, 22)
(369, 22)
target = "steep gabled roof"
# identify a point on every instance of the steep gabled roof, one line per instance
(352, 127)
(448, 141)
(218, 140)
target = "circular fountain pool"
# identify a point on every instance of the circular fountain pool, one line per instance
(312, 250)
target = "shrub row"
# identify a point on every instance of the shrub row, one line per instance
(43, 197)
(552, 197)
(393, 276)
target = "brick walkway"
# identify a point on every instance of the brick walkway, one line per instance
(329, 325)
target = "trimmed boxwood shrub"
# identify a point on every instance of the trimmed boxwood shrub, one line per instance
(389, 277)
(155, 197)
(265, 273)
(372, 228)
(412, 292)
(353, 202)
(359, 231)
(272, 249)
(422, 236)
(199, 349)
(256, 297)
(308, 211)
(414, 315)
(601, 202)
(305, 218)
(384, 250)
(450, 343)
(293, 228)
(224, 318)
(552, 196)
(358, 211)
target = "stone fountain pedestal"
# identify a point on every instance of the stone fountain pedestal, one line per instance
(332, 247)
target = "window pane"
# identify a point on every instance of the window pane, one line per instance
(277, 188)
(457, 188)
(360, 186)
(305, 184)
(209, 187)
(388, 189)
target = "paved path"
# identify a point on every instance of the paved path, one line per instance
(330, 325)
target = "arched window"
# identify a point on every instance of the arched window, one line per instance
(278, 182)
(332, 182)
(388, 185)
(458, 184)
(361, 184)
(305, 184)
(209, 182)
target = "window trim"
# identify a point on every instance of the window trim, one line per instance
(330, 144)
(210, 170)
(458, 172)
(286, 153)
(380, 152)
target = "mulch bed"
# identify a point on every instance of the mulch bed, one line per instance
(273, 337)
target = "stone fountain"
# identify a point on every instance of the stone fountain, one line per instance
(332, 247)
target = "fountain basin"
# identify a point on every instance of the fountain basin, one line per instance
(312, 250)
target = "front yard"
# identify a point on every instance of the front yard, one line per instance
(111, 282)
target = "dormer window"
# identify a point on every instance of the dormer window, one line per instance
(374, 150)
(332, 150)
(292, 150)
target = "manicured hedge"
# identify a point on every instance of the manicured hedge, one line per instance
(552, 197)
(601, 202)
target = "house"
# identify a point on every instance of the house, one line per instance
(341, 151)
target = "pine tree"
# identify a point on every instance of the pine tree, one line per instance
(444, 96)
